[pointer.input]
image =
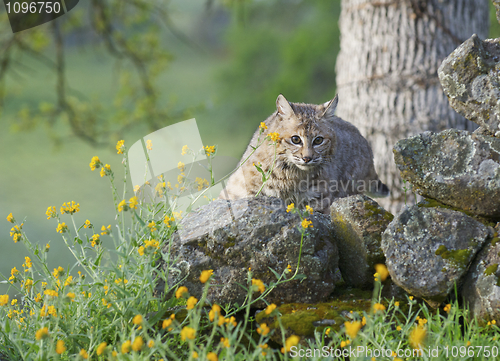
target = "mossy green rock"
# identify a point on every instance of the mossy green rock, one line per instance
(481, 287)
(358, 223)
(230, 237)
(428, 250)
(469, 77)
(455, 167)
(303, 319)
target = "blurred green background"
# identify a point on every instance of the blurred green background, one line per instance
(237, 56)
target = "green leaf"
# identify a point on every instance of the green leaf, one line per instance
(275, 273)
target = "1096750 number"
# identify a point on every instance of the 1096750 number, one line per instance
(33, 7)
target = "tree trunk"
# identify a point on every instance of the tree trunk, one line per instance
(387, 80)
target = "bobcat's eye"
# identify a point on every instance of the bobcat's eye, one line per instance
(318, 141)
(296, 139)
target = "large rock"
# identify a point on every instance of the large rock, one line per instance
(481, 287)
(469, 77)
(455, 167)
(428, 250)
(230, 237)
(358, 223)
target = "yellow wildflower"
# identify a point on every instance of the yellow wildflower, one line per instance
(59, 271)
(399, 328)
(194, 355)
(120, 147)
(184, 150)
(105, 230)
(84, 354)
(352, 328)
(305, 223)
(263, 329)
(188, 332)
(133, 202)
(149, 144)
(95, 163)
(106, 170)
(225, 342)
(137, 320)
(51, 212)
(51, 293)
(447, 308)
(262, 126)
(205, 275)
(181, 166)
(87, 224)
(122, 206)
(378, 307)
(417, 337)
(27, 264)
(4, 299)
(215, 311)
(290, 207)
(137, 344)
(61, 227)
(10, 218)
(168, 321)
(269, 309)
(191, 302)
(126, 346)
(290, 342)
(180, 291)
(212, 356)
(259, 284)
(151, 343)
(28, 284)
(381, 269)
(274, 136)
(70, 208)
(309, 209)
(60, 348)
(101, 348)
(42, 333)
(209, 150)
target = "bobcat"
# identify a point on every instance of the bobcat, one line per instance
(319, 157)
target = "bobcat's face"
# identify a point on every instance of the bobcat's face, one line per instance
(307, 146)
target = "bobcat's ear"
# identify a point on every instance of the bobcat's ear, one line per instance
(330, 107)
(283, 106)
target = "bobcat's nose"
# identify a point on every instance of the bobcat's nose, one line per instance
(306, 159)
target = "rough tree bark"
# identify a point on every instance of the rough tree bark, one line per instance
(387, 80)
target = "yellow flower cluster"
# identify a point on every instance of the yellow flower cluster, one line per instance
(41, 333)
(120, 147)
(10, 218)
(185, 149)
(417, 337)
(61, 227)
(262, 126)
(259, 285)
(381, 271)
(290, 207)
(70, 208)
(306, 223)
(205, 275)
(274, 136)
(166, 323)
(13, 273)
(51, 212)
(60, 348)
(4, 299)
(309, 209)
(378, 307)
(149, 144)
(290, 342)
(263, 329)
(269, 309)
(202, 183)
(15, 233)
(105, 230)
(188, 333)
(209, 150)
(352, 328)
(106, 170)
(95, 163)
